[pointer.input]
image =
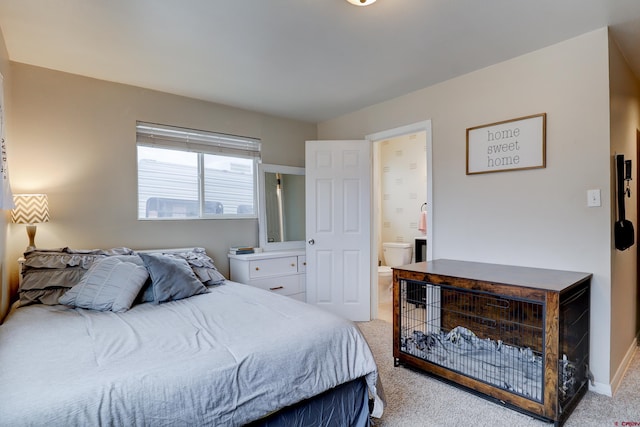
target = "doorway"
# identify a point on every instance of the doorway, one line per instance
(401, 201)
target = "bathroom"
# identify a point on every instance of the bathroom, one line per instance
(401, 182)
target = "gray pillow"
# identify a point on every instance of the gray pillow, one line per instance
(171, 279)
(46, 285)
(109, 284)
(48, 273)
(201, 264)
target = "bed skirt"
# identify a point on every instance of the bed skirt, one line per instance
(344, 405)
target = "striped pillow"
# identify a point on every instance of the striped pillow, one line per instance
(109, 284)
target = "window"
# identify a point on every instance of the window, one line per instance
(185, 173)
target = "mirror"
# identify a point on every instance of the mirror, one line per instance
(282, 204)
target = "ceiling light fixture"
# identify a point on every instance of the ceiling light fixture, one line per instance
(361, 2)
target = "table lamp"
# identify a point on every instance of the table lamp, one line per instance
(30, 209)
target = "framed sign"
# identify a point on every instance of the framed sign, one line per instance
(508, 145)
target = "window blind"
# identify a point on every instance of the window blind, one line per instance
(163, 136)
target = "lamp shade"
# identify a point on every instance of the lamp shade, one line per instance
(30, 209)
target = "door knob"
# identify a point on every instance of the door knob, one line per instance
(312, 242)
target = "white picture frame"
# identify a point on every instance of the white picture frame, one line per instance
(508, 145)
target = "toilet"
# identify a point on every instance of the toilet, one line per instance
(394, 255)
(385, 277)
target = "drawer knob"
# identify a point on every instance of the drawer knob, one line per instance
(304, 263)
(293, 265)
(276, 288)
(257, 268)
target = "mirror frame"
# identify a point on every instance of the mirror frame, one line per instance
(262, 224)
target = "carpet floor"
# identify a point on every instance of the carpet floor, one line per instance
(415, 399)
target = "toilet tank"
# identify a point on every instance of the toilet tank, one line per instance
(396, 254)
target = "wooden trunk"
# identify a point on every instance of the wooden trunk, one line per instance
(541, 314)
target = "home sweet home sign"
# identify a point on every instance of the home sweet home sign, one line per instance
(507, 145)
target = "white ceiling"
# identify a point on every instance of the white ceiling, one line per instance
(304, 59)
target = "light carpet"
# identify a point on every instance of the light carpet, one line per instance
(415, 399)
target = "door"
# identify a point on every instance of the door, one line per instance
(338, 226)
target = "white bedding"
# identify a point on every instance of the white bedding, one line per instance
(225, 358)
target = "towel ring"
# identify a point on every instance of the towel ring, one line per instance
(423, 207)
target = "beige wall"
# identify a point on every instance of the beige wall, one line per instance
(537, 217)
(74, 138)
(625, 121)
(5, 70)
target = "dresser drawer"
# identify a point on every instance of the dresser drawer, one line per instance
(273, 267)
(285, 285)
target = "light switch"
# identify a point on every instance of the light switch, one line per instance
(593, 198)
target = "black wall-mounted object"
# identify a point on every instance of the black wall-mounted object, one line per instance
(624, 234)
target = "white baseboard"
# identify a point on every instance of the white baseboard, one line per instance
(622, 369)
(610, 389)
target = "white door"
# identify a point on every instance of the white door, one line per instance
(338, 226)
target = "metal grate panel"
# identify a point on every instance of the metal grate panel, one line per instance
(494, 339)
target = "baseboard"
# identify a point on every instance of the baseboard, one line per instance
(610, 389)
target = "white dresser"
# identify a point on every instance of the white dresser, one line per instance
(276, 271)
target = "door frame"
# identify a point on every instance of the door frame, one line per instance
(637, 237)
(375, 198)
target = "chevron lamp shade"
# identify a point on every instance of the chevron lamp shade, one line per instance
(30, 209)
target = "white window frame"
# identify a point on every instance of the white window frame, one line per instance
(200, 142)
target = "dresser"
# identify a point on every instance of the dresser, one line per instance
(282, 272)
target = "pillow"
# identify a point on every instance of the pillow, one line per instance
(48, 273)
(135, 259)
(67, 257)
(109, 284)
(201, 264)
(45, 286)
(171, 279)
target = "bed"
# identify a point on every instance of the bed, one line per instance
(228, 354)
